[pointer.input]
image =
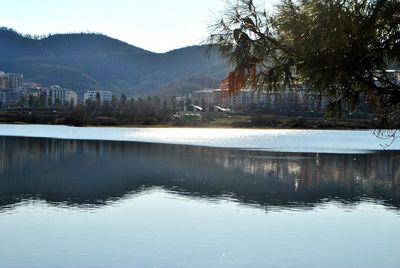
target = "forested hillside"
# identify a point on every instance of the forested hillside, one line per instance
(94, 61)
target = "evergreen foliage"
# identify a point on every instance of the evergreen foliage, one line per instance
(342, 48)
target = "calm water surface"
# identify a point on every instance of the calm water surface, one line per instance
(282, 140)
(75, 203)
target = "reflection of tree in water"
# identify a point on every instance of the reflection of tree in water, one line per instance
(373, 175)
(388, 136)
(97, 172)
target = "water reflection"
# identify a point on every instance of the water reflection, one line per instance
(96, 173)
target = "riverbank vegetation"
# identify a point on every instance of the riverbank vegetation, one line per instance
(85, 116)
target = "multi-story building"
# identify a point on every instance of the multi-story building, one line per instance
(58, 96)
(3, 80)
(293, 101)
(55, 96)
(96, 96)
(9, 98)
(71, 98)
(14, 80)
(207, 98)
(244, 99)
(11, 80)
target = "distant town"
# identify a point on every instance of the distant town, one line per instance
(14, 92)
(32, 102)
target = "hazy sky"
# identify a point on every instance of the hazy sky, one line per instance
(155, 25)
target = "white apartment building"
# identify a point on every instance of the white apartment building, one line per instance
(58, 96)
(14, 80)
(207, 96)
(216, 97)
(55, 96)
(244, 98)
(208, 99)
(3, 80)
(11, 80)
(71, 98)
(97, 95)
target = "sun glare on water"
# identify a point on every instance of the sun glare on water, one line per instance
(199, 134)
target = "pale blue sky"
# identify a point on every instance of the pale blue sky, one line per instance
(155, 25)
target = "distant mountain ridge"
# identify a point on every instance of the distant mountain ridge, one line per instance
(86, 61)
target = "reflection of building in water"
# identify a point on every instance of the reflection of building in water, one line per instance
(99, 148)
(71, 168)
(367, 171)
(15, 153)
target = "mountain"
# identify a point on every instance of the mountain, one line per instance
(87, 61)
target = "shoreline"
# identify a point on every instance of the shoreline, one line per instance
(273, 140)
(244, 122)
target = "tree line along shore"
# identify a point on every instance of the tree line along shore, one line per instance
(89, 116)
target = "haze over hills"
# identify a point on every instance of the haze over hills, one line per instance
(85, 61)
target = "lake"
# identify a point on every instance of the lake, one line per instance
(111, 197)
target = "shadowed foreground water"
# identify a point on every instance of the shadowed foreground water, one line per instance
(68, 203)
